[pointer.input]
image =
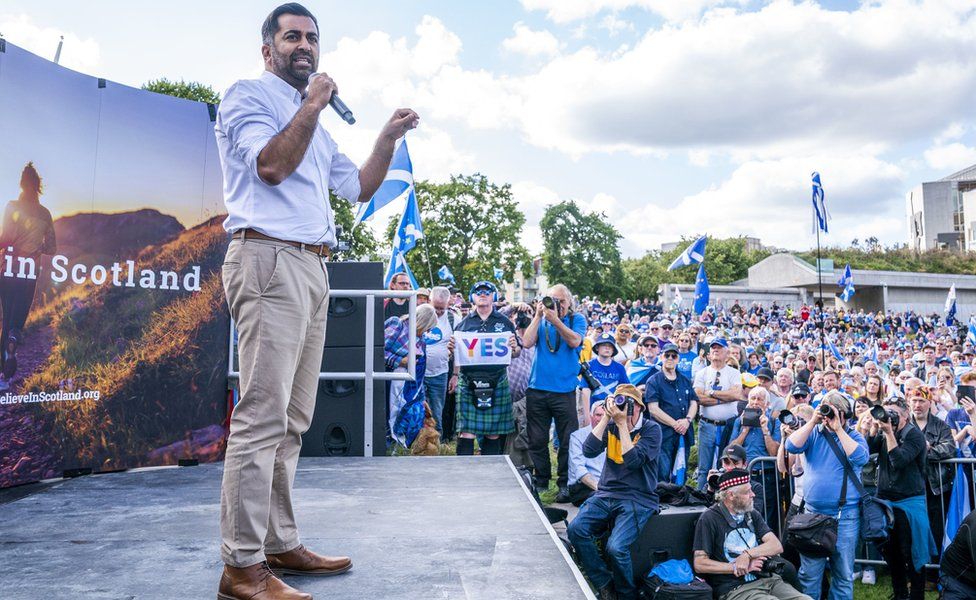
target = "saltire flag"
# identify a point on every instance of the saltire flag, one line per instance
(832, 347)
(404, 240)
(638, 371)
(820, 214)
(950, 306)
(499, 273)
(971, 335)
(846, 278)
(676, 302)
(693, 255)
(701, 290)
(958, 506)
(445, 274)
(678, 470)
(848, 292)
(397, 184)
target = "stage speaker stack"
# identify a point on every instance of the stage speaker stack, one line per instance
(338, 423)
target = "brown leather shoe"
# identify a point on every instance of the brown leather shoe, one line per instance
(256, 582)
(302, 561)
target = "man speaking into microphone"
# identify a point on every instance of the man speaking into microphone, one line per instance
(278, 165)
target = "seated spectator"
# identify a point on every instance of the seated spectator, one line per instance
(584, 473)
(734, 457)
(958, 565)
(824, 476)
(733, 543)
(625, 497)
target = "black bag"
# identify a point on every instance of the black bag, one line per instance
(656, 588)
(877, 515)
(482, 386)
(812, 534)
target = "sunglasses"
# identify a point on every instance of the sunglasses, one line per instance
(483, 292)
(649, 345)
(667, 327)
(670, 355)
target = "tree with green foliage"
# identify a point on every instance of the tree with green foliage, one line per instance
(580, 250)
(471, 225)
(190, 90)
(873, 257)
(362, 243)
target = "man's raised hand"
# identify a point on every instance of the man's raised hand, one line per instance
(402, 121)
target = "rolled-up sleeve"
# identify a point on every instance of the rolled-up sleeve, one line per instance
(248, 121)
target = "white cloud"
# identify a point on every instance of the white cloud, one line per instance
(563, 11)
(950, 157)
(78, 54)
(615, 26)
(527, 42)
(533, 199)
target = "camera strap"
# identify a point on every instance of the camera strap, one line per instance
(848, 471)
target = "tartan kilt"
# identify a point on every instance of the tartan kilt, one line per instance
(498, 420)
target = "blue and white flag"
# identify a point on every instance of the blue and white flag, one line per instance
(499, 274)
(678, 470)
(676, 302)
(958, 506)
(846, 278)
(820, 214)
(397, 184)
(848, 292)
(950, 306)
(834, 350)
(398, 264)
(701, 290)
(873, 354)
(693, 255)
(971, 334)
(445, 274)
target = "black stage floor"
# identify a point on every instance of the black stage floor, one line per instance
(438, 527)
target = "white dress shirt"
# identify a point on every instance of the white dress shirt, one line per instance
(250, 114)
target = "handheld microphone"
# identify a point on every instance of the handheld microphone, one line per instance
(340, 107)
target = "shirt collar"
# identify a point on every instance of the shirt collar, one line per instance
(281, 86)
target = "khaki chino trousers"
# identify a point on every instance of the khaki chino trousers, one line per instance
(278, 297)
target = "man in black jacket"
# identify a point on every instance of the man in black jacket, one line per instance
(939, 445)
(959, 563)
(901, 481)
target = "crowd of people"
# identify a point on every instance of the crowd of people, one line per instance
(793, 411)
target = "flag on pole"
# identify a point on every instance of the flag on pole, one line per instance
(397, 184)
(950, 306)
(445, 274)
(404, 240)
(678, 470)
(958, 506)
(846, 277)
(971, 335)
(676, 302)
(820, 214)
(848, 292)
(499, 273)
(701, 290)
(693, 255)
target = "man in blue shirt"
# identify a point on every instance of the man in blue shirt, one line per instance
(673, 403)
(608, 372)
(823, 477)
(626, 496)
(557, 335)
(758, 441)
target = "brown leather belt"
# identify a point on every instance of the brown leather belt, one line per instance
(319, 249)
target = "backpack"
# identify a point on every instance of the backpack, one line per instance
(674, 580)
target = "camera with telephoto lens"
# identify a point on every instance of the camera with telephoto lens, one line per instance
(878, 413)
(826, 410)
(591, 382)
(624, 402)
(522, 320)
(790, 420)
(548, 302)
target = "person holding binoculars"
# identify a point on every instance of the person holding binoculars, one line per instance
(626, 496)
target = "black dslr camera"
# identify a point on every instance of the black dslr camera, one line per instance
(879, 413)
(624, 402)
(790, 420)
(548, 302)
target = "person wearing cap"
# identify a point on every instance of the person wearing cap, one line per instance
(423, 296)
(823, 479)
(475, 416)
(584, 473)
(644, 366)
(800, 394)
(774, 400)
(607, 372)
(626, 495)
(671, 401)
(666, 328)
(557, 335)
(761, 441)
(732, 543)
(719, 389)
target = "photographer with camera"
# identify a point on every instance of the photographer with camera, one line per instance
(626, 496)
(758, 432)
(733, 546)
(719, 389)
(827, 443)
(551, 394)
(901, 481)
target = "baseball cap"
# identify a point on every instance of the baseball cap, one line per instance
(800, 389)
(423, 292)
(749, 380)
(765, 373)
(719, 341)
(484, 285)
(735, 452)
(669, 348)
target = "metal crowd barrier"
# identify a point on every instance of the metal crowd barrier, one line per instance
(368, 374)
(783, 507)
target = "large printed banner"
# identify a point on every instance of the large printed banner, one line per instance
(113, 346)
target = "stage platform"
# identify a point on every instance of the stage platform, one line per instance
(415, 527)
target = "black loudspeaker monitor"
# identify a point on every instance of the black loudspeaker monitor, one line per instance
(667, 535)
(347, 316)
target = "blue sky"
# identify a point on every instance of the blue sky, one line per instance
(673, 118)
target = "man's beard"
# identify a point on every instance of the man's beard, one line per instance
(742, 505)
(285, 68)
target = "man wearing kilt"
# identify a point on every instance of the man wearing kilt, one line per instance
(484, 403)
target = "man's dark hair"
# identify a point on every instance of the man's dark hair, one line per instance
(271, 27)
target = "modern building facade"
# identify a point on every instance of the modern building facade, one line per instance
(525, 289)
(936, 212)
